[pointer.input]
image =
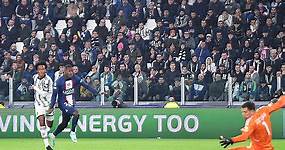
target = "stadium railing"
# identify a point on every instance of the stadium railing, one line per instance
(14, 99)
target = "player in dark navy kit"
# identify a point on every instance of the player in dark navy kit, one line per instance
(65, 91)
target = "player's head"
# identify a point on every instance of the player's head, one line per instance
(41, 69)
(247, 109)
(68, 71)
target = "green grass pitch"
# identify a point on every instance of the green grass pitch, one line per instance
(122, 144)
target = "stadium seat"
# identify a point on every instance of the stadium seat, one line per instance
(108, 24)
(150, 24)
(61, 24)
(19, 46)
(40, 35)
(90, 25)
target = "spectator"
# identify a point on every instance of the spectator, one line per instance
(202, 52)
(84, 64)
(96, 41)
(226, 61)
(238, 74)
(257, 63)
(171, 73)
(7, 9)
(201, 7)
(70, 30)
(226, 18)
(143, 31)
(198, 89)
(278, 81)
(32, 42)
(267, 75)
(216, 89)
(59, 12)
(13, 51)
(23, 93)
(43, 53)
(47, 40)
(84, 34)
(119, 85)
(94, 73)
(254, 74)
(175, 91)
(193, 64)
(274, 61)
(24, 32)
(142, 85)
(210, 65)
(181, 20)
(24, 10)
(235, 89)
(12, 31)
(247, 51)
(27, 55)
(263, 91)
(152, 12)
(102, 30)
(188, 40)
(217, 6)
(62, 43)
(4, 42)
(29, 72)
(59, 72)
(248, 89)
(107, 75)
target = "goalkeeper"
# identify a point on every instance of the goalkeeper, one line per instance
(257, 126)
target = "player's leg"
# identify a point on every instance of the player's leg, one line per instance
(63, 124)
(49, 120)
(41, 118)
(60, 128)
(74, 124)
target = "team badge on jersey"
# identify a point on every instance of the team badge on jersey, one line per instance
(68, 84)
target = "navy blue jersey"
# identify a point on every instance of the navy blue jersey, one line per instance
(67, 91)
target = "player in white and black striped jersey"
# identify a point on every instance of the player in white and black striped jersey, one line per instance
(43, 89)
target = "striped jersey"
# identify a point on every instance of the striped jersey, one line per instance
(43, 89)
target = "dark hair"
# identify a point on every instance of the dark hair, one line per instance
(248, 105)
(41, 63)
(68, 65)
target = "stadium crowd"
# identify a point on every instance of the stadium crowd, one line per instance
(156, 40)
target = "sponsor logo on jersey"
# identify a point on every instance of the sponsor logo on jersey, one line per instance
(68, 91)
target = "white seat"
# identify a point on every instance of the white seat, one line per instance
(90, 25)
(150, 24)
(61, 24)
(40, 35)
(108, 24)
(19, 46)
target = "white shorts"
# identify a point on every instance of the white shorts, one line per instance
(43, 111)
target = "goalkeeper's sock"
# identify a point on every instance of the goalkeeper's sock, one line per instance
(74, 122)
(44, 135)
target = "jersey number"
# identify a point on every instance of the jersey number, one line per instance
(266, 127)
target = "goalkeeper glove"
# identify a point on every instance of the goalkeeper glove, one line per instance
(225, 142)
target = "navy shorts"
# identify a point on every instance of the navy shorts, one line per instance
(68, 110)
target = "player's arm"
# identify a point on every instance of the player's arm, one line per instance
(47, 93)
(246, 132)
(54, 95)
(276, 106)
(88, 87)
